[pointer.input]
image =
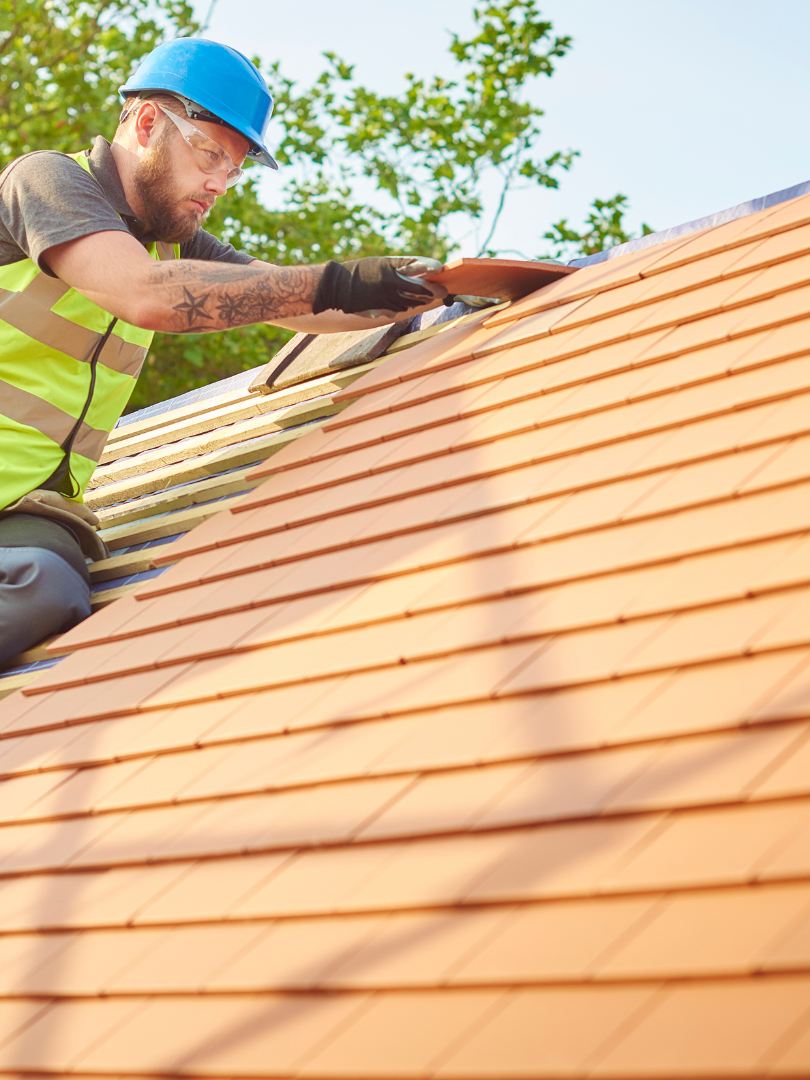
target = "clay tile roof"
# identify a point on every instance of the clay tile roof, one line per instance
(470, 736)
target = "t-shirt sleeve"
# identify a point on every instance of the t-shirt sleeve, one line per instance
(205, 246)
(47, 198)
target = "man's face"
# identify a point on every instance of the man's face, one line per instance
(175, 192)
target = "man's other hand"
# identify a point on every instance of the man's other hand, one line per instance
(377, 287)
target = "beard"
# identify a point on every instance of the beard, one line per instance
(158, 194)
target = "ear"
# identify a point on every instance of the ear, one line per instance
(146, 119)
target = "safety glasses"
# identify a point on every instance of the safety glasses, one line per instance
(209, 155)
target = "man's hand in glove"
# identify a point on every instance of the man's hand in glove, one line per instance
(378, 287)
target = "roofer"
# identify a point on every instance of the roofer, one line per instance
(98, 250)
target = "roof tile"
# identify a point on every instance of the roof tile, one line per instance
(295, 953)
(558, 1031)
(793, 1055)
(589, 280)
(563, 859)
(112, 897)
(711, 847)
(713, 696)
(192, 954)
(58, 1036)
(708, 1029)
(231, 1035)
(494, 693)
(788, 215)
(384, 1031)
(415, 948)
(568, 787)
(210, 889)
(788, 946)
(554, 940)
(707, 933)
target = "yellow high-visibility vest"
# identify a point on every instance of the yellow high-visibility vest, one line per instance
(60, 392)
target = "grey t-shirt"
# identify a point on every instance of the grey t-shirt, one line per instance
(47, 198)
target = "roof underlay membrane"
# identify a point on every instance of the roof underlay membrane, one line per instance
(468, 736)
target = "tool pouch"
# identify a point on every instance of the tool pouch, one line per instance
(76, 516)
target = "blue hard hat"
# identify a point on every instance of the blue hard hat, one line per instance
(215, 83)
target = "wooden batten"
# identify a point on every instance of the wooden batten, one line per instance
(311, 356)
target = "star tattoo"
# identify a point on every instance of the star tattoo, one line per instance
(193, 307)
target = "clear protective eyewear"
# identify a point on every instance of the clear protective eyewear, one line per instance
(210, 156)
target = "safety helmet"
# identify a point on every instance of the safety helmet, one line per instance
(214, 82)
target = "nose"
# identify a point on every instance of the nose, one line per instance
(217, 183)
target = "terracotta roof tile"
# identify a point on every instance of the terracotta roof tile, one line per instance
(383, 1031)
(590, 280)
(711, 769)
(274, 1033)
(712, 846)
(702, 245)
(776, 248)
(708, 933)
(789, 215)
(26, 956)
(570, 858)
(790, 946)
(589, 785)
(770, 313)
(714, 696)
(111, 897)
(193, 954)
(554, 940)
(84, 962)
(790, 857)
(558, 1031)
(487, 703)
(794, 1052)
(210, 889)
(83, 1026)
(712, 1029)
(294, 953)
(417, 948)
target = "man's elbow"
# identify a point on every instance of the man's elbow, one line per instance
(148, 313)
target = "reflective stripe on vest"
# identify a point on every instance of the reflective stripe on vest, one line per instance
(29, 311)
(32, 411)
(48, 335)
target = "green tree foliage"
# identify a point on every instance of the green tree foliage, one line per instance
(604, 228)
(363, 173)
(61, 62)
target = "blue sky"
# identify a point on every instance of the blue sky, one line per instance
(685, 107)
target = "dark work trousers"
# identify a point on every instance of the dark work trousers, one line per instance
(42, 592)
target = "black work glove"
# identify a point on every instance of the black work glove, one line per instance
(374, 286)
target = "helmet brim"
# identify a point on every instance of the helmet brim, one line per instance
(261, 155)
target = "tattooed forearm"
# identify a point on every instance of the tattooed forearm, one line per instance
(193, 307)
(202, 297)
